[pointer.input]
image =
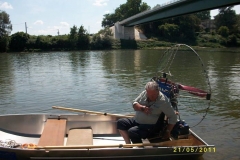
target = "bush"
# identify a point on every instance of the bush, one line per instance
(232, 40)
(102, 40)
(18, 41)
(223, 31)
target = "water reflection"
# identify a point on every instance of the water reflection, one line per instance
(66, 77)
(6, 81)
(224, 71)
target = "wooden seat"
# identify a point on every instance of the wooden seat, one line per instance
(53, 133)
(82, 136)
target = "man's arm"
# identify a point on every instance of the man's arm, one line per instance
(139, 107)
(168, 131)
(172, 119)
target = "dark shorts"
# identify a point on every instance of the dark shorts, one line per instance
(135, 130)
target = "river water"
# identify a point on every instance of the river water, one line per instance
(108, 81)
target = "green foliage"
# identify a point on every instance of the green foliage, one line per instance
(60, 43)
(83, 40)
(5, 24)
(189, 25)
(78, 38)
(204, 15)
(223, 31)
(227, 17)
(18, 41)
(102, 40)
(232, 40)
(130, 8)
(73, 37)
(169, 31)
(217, 41)
(43, 42)
(5, 30)
(152, 44)
(182, 28)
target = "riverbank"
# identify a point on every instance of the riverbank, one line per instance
(203, 40)
(135, 44)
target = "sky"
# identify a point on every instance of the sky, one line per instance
(47, 17)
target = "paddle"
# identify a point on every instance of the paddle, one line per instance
(180, 142)
(91, 112)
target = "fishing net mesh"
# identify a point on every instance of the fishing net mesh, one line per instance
(183, 66)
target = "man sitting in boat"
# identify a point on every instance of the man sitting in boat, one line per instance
(148, 106)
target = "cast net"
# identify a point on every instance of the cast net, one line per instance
(182, 76)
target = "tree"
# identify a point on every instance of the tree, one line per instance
(82, 39)
(5, 24)
(227, 17)
(18, 41)
(130, 8)
(170, 31)
(204, 15)
(188, 26)
(102, 40)
(5, 30)
(182, 28)
(144, 7)
(73, 37)
(109, 20)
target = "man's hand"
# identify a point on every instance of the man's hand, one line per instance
(147, 110)
(139, 107)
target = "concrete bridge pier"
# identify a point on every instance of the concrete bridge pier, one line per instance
(121, 32)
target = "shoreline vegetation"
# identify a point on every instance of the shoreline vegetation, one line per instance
(103, 40)
(22, 42)
(116, 44)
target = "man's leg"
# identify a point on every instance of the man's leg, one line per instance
(137, 133)
(123, 125)
(125, 136)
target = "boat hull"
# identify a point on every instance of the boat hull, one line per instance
(27, 129)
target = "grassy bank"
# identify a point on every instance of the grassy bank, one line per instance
(203, 40)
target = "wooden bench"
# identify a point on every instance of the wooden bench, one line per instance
(53, 133)
(80, 136)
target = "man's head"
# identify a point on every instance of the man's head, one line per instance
(152, 90)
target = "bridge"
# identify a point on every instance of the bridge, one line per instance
(125, 28)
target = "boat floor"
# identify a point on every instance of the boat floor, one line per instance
(97, 140)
